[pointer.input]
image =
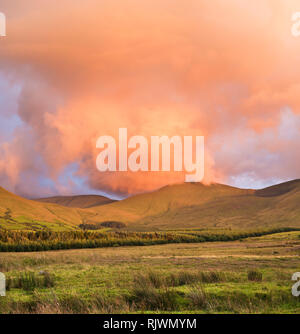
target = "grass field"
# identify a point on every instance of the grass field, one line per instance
(251, 275)
(186, 248)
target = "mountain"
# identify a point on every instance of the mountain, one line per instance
(81, 201)
(181, 206)
(194, 205)
(279, 189)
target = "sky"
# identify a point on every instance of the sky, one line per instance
(74, 70)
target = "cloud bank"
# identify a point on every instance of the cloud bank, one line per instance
(76, 70)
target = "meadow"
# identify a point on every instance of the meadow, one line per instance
(248, 275)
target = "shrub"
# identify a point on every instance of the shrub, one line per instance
(74, 304)
(113, 224)
(28, 281)
(254, 275)
(48, 280)
(156, 279)
(211, 277)
(182, 278)
(151, 278)
(185, 277)
(198, 296)
(108, 305)
(148, 298)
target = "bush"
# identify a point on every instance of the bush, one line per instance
(151, 278)
(149, 298)
(48, 280)
(28, 281)
(211, 277)
(185, 277)
(198, 297)
(113, 224)
(99, 226)
(255, 276)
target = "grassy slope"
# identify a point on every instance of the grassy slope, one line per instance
(19, 213)
(199, 206)
(172, 207)
(81, 201)
(169, 198)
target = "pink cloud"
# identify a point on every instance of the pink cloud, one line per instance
(222, 69)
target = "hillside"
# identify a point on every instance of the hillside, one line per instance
(81, 201)
(20, 213)
(165, 200)
(189, 205)
(214, 206)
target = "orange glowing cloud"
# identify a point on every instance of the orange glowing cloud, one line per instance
(225, 69)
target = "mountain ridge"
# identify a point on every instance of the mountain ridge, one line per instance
(77, 201)
(179, 206)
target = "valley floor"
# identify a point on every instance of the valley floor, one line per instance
(247, 276)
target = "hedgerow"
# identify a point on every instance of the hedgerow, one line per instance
(23, 241)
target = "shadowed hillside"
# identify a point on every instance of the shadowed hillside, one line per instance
(278, 189)
(82, 201)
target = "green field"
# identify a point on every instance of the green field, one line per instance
(251, 275)
(187, 248)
